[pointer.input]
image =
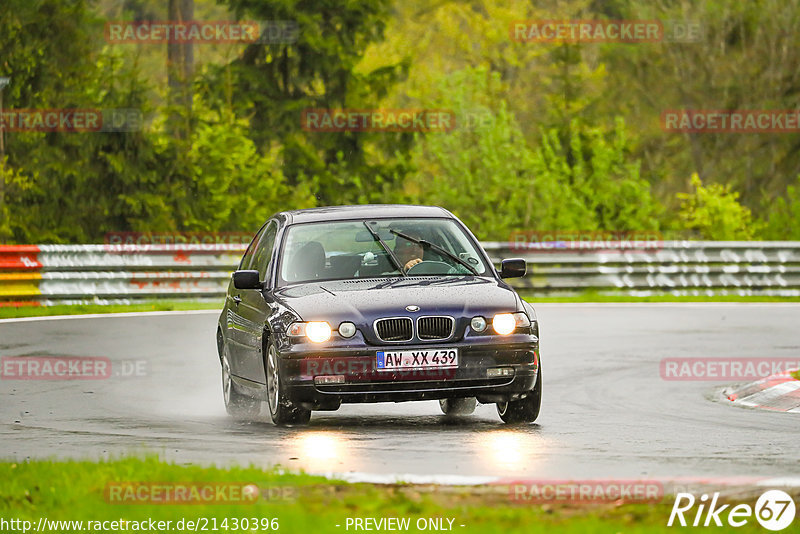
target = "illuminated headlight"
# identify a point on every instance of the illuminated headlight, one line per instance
(506, 323)
(347, 329)
(318, 331)
(478, 324)
(315, 331)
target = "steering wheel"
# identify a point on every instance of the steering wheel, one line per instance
(431, 267)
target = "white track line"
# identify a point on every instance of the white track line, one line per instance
(459, 480)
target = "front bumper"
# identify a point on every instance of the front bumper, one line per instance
(362, 382)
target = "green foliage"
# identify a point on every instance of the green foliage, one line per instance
(481, 171)
(549, 149)
(490, 177)
(272, 83)
(13, 186)
(74, 491)
(603, 187)
(64, 187)
(783, 220)
(714, 213)
(79, 178)
(230, 184)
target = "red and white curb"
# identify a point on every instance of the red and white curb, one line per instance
(779, 392)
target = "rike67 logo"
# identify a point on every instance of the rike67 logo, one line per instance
(774, 510)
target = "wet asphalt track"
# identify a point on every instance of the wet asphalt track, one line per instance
(606, 411)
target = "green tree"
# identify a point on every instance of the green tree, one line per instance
(78, 179)
(485, 171)
(230, 184)
(783, 220)
(272, 83)
(713, 212)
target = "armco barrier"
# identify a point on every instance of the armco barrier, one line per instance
(675, 267)
(49, 274)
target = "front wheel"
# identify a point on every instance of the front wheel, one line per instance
(524, 410)
(281, 409)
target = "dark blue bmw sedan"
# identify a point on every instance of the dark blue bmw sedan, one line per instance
(375, 303)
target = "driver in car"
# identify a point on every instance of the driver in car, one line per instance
(408, 252)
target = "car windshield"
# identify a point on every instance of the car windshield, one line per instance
(378, 248)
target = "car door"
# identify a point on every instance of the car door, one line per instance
(235, 332)
(254, 310)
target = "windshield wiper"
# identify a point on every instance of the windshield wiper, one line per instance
(436, 248)
(383, 244)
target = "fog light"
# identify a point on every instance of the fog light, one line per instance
(499, 371)
(347, 329)
(329, 379)
(478, 324)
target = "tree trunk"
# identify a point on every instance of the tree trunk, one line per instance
(180, 70)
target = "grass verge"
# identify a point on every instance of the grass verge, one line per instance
(80, 309)
(79, 491)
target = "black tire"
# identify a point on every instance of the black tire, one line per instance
(236, 403)
(463, 406)
(281, 409)
(526, 409)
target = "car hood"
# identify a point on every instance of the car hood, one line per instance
(363, 301)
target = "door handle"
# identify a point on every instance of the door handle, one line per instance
(237, 299)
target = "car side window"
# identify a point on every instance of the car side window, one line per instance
(247, 259)
(263, 253)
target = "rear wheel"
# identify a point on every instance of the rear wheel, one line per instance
(281, 409)
(236, 404)
(524, 410)
(464, 406)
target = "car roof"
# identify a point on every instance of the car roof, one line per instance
(372, 211)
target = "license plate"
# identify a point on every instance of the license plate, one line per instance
(416, 359)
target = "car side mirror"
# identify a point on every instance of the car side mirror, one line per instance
(246, 280)
(513, 268)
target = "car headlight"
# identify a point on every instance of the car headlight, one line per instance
(506, 323)
(315, 331)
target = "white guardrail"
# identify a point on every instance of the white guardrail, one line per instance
(57, 274)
